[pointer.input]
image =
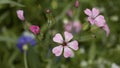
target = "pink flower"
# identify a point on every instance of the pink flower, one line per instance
(76, 3)
(65, 45)
(20, 14)
(98, 20)
(35, 29)
(94, 17)
(73, 26)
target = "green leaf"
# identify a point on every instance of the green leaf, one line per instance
(13, 3)
(33, 60)
(3, 16)
(7, 39)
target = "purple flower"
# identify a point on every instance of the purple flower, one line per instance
(24, 40)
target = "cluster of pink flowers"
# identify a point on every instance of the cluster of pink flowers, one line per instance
(98, 20)
(66, 46)
(93, 17)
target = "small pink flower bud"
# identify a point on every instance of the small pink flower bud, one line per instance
(76, 3)
(20, 14)
(35, 29)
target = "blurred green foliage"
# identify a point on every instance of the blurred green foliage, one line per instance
(99, 52)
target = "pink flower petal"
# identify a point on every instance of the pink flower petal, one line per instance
(88, 12)
(58, 38)
(20, 14)
(106, 28)
(68, 36)
(73, 45)
(95, 12)
(100, 21)
(68, 52)
(57, 50)
(91, 20)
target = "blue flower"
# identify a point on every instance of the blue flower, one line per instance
(24, 40)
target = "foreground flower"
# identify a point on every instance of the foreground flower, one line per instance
(25, 40)
(35, 29)
(20, 14)
(73, 26)
(98, 20)
(65, 45)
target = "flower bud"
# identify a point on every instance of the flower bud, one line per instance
(35, 29)
(76, 3)
(20, 14)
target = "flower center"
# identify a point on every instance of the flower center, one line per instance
(64, 43)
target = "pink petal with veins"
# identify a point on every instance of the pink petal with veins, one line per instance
(68, 36)
(58, 38)
(95, 12)
(57, 50)
(73, 45)
(68, 52)
(88, 12)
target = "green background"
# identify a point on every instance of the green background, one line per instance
(94, 52)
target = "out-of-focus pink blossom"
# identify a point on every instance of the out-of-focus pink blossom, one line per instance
(64, 45)
(20, 14)
(70, 13)
(76, 3)
(35, 29)
(98, 20)
(73, 26)
(77, 26)
(68, 26)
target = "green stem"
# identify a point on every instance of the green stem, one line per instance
(25, 59)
